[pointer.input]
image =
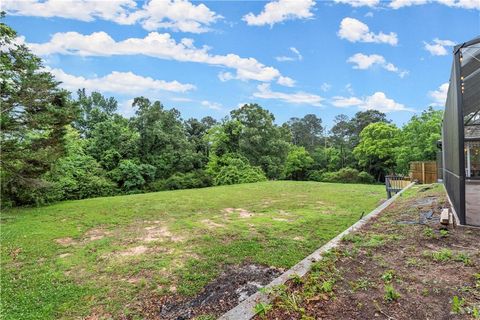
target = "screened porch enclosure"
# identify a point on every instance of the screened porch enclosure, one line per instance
(461, 133)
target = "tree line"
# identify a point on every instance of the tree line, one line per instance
(58, 146)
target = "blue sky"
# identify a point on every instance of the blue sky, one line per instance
(291, 57)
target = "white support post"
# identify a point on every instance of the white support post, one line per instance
(468, 161)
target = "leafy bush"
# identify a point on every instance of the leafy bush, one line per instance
(345, 175)
(189, 180)
(233, 169)
(132, 176)
(365, 177)
(316, 175)
(78, 177)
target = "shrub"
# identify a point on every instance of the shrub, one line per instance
(316, 175)
(132, 176)
(233, 169)
(345, 175)
(189, 180)
(365, 177)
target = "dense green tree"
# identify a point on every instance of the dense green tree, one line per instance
(377, 150)
(77, 175)
(326, 159)
(93, 109)
(113, 140)
(360, 121)
(162, 139)
(298, 163)
(419, 139)
(233, 169)
(262, 142)
(340, 138)
(132, 176)
(306, 131)
(196, 134)
(34, 112)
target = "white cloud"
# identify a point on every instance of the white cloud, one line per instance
(377, 101)
(158, 45)
(264, 92)
(118, 11)
(363, 62)
(286, 81)
(354, 30)
(180, 99)
(211, 105)
(359, 3)
(343, 102)
(438, 47)
(462, 4)
(297, 56)
(280, 10)
(118, 82)
(126, 109)
(325, 87)
(369, 14)
(225, 76)
(396, 4)
(178, 15)
(439, 96)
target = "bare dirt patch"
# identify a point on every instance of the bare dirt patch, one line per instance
(159, 233)
(95, 234)
(233, 285)
(211, 224)
(67, 241)
(244, 213)
(135, 251)
(399, 266)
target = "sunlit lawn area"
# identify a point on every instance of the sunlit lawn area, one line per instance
(96, 256)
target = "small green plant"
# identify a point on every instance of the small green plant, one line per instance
(463, 257)
(292, 301)
(443, 233)
(413, 262)
(390, 293)
(327, 286)
(360, 284)
(262, 309)
(442, 255)
(205, 317)
(428, 232)
(475, 313)
(296, 279)
(457, 305)
(425, 292)
(388, 276)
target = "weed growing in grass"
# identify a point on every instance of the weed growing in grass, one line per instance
(388, 276)
(390, 293)
(443, 233)
(262, 309)
(457, 305)
(296, 279)
(354, 238)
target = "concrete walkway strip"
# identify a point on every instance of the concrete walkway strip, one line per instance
(245, 310)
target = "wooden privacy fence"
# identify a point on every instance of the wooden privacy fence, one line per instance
(424, 171)
(395, 183)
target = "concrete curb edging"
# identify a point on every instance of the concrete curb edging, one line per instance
(245, 309)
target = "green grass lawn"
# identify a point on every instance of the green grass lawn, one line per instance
(96, 256)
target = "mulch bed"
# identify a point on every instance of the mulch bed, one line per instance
(401, 265)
